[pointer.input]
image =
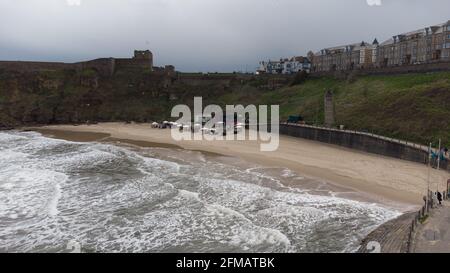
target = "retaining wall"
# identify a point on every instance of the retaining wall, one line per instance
(360, 141)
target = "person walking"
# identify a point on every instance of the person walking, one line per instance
(446, 154)
(439, 197)
(435, 200)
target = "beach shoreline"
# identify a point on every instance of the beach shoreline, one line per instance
(389, 181)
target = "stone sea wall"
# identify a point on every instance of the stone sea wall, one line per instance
(361, 141)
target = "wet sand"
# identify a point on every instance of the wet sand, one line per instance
(386, 179)
(73, 135)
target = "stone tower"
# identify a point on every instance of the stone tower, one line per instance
(329, 109)
(145, 56)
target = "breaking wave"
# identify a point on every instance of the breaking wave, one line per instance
(112, 199)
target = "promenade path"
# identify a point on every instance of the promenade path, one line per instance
(434, 235)
(391, 237)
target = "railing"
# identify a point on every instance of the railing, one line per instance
(423, 212)
(414, 224)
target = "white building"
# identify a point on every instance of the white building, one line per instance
(296, 64)
(285, 66)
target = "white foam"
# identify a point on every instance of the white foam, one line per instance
(82, 159)
(219, 210)
(7, 137)
(7, 186)
(145, 206)
(29, 190)
(53, 204)
(296, 212)
(189, 194)
(10, 155)
(249, 239)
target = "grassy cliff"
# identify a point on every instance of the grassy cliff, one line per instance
(413, 107)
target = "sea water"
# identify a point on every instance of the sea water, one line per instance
(102, 197)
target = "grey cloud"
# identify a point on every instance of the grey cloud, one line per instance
(201, 35)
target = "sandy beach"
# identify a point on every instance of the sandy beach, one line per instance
(386, 179)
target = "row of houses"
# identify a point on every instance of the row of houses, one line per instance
(285, 66)
(427, 45)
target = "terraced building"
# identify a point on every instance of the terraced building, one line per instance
(423, 46)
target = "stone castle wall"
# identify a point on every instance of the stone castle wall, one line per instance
(132, 64)
(104, 66)
(35, 66)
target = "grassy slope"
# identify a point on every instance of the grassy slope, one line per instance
(414, 107)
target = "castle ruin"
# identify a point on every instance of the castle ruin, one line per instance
(142, 59)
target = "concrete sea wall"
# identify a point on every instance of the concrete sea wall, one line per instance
(361, 141)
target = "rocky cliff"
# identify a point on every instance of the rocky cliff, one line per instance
(412, 107)
(71, 96)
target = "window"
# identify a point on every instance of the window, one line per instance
(448, 28)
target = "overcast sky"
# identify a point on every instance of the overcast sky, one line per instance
(202, 35)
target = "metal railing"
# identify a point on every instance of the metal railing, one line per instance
(423, 212)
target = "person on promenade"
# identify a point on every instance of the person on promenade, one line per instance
(446, 154)
(439, 197)
(442, 154)
(435, 200)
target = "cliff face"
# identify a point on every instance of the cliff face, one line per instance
(70, 96)
(413, 107)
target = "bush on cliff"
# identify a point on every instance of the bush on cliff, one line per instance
(299, 78)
